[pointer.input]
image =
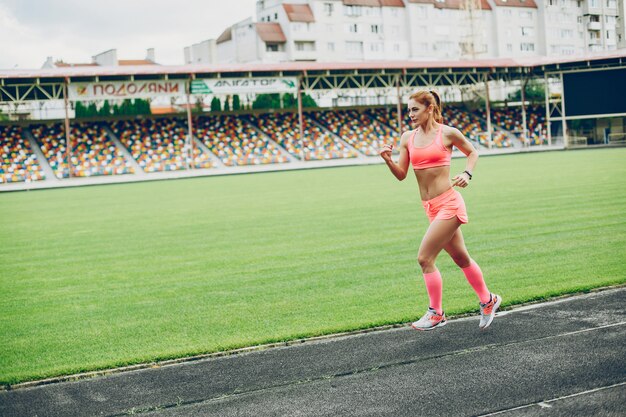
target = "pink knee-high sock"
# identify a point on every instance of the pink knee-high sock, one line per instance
(475, 277)
(434, 288)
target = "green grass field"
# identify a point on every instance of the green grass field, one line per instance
(105, 276)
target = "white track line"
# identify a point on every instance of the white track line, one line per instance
(546, 403)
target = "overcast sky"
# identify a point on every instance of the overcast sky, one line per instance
(75, 30)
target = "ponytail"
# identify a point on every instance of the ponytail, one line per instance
(428, 98)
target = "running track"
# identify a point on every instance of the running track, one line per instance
(562, 358)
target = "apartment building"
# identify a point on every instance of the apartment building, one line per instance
(620, 27)
(357, 30)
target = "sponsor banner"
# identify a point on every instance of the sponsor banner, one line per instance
(228, 86)
(126, 89)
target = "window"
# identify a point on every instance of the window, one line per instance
(354, 48)
(593, 3)
(274, 47)
(509, 47)
(396, 47)
(395, 30)
(446, 47)
(611, 4)
(525, 15)
(567, 33)
(353, 28)
(330, 46)
(353, 11)
(305, 46)
(275, 16)
(527, 47)
(375, 28)
(527, 31)
(328, 9)
(372, 11)
(376, 47)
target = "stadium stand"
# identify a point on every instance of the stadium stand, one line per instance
(235, 141)
(158, 144)
(17, 161)
(510, 119)
(470, 125)
(317, 143)
(93, 152)
(389, 117)
(359, 129)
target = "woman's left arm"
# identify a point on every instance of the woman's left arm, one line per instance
(457, 139)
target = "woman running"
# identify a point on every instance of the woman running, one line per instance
(428, 149)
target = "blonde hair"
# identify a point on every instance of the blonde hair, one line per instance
(427, 98)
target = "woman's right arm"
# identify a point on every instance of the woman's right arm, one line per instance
(400, 169)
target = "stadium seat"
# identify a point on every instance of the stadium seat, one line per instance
(359, 129)
(235, 141)
(317, 144)
(93, 152)
(17, 161)
(159, 144)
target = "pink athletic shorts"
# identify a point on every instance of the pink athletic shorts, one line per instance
(446, 206)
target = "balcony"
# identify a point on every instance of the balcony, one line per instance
(588, 10)
(594, 26)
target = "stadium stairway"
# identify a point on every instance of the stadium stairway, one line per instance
(138, 170)
(338, 138)
(280, 148)
(43, 162)
(217, 162)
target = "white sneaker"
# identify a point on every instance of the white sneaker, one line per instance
(430, 320)
(488, 311)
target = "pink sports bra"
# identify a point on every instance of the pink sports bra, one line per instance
(433, 155)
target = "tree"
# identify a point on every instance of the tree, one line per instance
(290, 101)
(534, 92)
(266, 101)
(307, 101)
(105, 110)
(92, 110)
(197, 107)
(236, 102)
(215, 104)
(80, 110)
(226, 105)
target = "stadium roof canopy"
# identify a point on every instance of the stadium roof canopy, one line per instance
(23, 84)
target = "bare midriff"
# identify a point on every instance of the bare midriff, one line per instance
(433, 181)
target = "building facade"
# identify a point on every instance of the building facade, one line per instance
(358, 30)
